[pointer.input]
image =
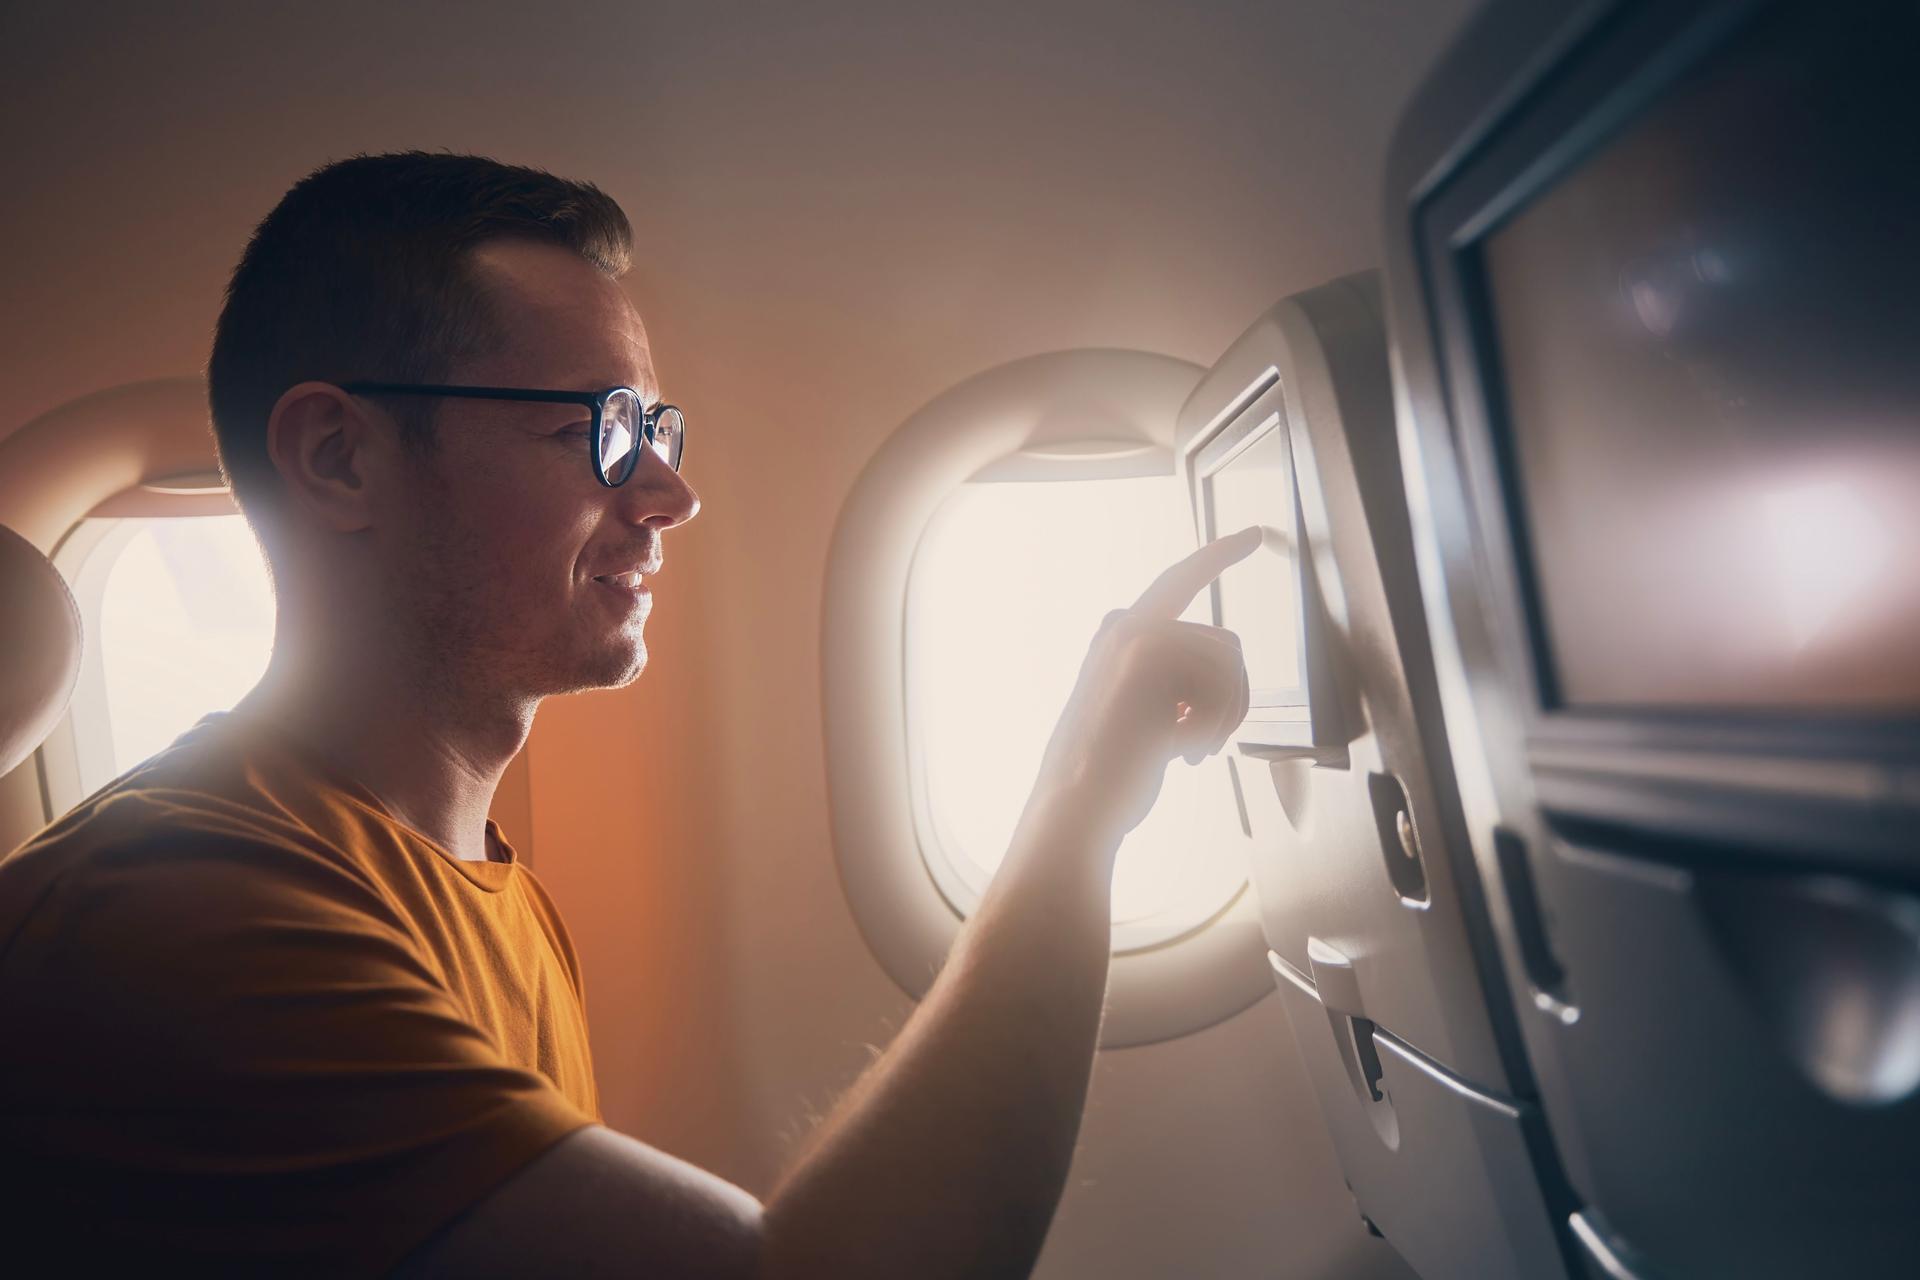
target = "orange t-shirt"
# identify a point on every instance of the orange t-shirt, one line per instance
(250, 1024)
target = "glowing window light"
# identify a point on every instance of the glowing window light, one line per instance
(1009, 583)
(185, 627)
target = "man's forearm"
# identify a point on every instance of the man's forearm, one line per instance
(948, 1157)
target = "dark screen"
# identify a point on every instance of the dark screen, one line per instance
(1706, 333)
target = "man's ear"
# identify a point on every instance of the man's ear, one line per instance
(331, 454)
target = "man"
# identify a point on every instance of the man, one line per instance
(282, 1001)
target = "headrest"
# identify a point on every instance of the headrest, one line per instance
(39, 648)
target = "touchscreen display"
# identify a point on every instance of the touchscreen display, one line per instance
(1259, 598)
(1709, 337)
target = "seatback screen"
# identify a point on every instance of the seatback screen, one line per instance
(1706, 335)
(1259, 598)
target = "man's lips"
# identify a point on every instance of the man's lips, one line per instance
(628, 575)
(630, 586)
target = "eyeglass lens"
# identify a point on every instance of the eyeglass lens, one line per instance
(669, 435)
(621, 429)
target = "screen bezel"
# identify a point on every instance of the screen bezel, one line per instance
(1617, 76)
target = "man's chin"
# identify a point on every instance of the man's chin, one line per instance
(626, 669)
(610, 669)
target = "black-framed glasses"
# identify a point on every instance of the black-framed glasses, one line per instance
(622, 422)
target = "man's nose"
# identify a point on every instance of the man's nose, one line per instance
(656, 495)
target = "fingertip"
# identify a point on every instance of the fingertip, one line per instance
(1251, 539)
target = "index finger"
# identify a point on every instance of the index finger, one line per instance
(1170, 593)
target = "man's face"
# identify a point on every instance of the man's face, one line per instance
(519, 567)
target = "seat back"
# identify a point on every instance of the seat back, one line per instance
(1368, 896)
(40, 639)
(1653, 304)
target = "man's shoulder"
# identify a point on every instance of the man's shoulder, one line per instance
(200, 782)
(198, 822)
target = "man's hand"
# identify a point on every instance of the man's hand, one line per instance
(1152, 687)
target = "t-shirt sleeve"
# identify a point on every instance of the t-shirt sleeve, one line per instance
(232, 1051)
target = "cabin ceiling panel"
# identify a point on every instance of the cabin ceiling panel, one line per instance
(824, 187)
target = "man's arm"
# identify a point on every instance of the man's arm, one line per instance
(947, 1158)
(949, 1155)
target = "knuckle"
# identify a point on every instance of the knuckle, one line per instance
(1230, 637)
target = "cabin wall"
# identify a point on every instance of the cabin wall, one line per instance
(839, 215)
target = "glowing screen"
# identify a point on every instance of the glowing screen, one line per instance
(1259, 597)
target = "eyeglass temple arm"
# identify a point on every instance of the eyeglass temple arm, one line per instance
(650, 414)
(473, 393)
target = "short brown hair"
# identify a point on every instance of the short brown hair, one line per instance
(362, 271)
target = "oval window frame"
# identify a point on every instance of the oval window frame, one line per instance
(1029, 417)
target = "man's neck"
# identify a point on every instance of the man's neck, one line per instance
(431, 752)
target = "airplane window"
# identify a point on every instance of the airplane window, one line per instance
(1008, 585)
(180, 618)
